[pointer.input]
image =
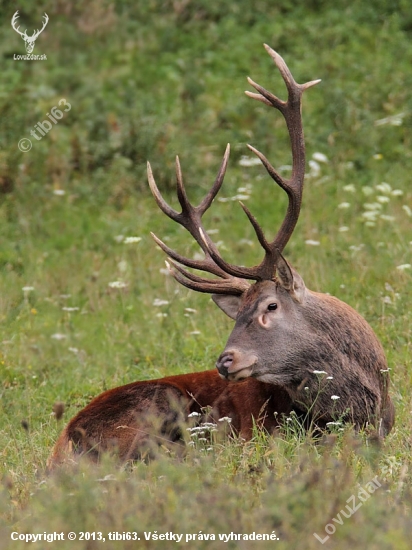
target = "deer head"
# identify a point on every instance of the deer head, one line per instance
(317, 347)
(29, 41)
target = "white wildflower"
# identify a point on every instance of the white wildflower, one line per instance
(240, 197)
(349, 188)
(212, 231)
(343, 229)
(382, 199)
(190, 310)
(161, 314)
(384, 188)
(314, 169)
(285, 168)
(407, 210)
(119, 238)
(334, 397)
(392, 120)
(344, 205)
(310, 242)
(402, 267)
(247, 242)
(157, 302)
(193, 414)
(58, 336)
(117, 284)
(329, 378)
(387, 218)
(122, 266)
(366, 190)
(70, 309)
(249, 161)
(370, 215)
(59, 192)
(209, 425)
(225, 419)
(372, 206)
(28, 288)
(320, 157)
(319, 372)
(397, 193)
(246, 189)
(131, 240)
(195, 333)
(74, 350)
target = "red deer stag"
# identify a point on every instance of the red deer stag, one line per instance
(293, 349)
(318, 348)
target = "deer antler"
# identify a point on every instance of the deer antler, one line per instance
(190, 217)
(36, 33)
(13, 24)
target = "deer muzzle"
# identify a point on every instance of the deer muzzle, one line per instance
(235, 365)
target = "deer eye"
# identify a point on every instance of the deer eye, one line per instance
(272, 307)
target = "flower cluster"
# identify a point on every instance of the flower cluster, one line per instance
(374, 209)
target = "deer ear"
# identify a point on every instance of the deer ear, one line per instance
(228, 304)
(290, 279)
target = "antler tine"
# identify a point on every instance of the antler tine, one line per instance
(37, 32)
(291, 111)
(190, 219)
(161, 203)
(207, 201)
(13, 24)
(231, 286)
(204, 265)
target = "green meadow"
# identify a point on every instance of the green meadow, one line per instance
(147, 80)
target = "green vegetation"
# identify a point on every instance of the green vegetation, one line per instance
(147, 80)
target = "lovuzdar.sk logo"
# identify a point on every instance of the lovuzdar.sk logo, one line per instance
(29, 41)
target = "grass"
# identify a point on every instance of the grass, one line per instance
(147, 82)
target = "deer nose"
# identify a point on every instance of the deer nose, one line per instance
(224, 362)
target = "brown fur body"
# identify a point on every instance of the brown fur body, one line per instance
(130, 418)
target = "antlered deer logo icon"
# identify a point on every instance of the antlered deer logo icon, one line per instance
(29, 41)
